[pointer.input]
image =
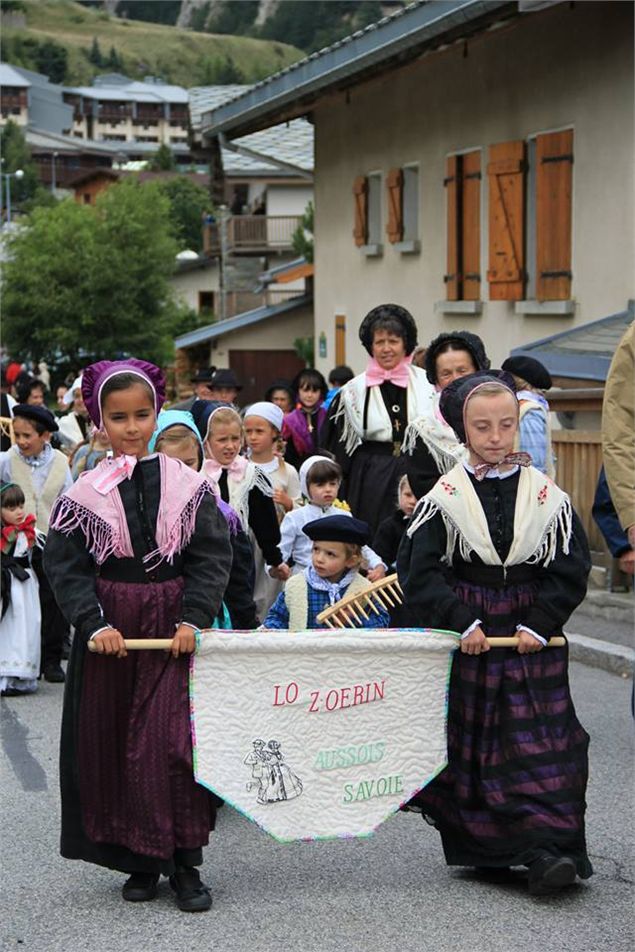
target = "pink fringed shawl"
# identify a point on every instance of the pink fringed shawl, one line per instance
(103, 521)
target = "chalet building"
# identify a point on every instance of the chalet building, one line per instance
(118, 109)
(14, 96)
(473, 162)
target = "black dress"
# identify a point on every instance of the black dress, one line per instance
(515, 783)
(129, 799)
(372, 472)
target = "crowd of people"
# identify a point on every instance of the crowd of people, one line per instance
(122, 518)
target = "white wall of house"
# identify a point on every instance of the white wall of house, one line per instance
(570, 66)
(187, 284)
(288, 199)
(276, 333)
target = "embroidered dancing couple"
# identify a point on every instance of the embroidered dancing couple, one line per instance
(271, 777)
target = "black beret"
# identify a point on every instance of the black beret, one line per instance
(37, 413)
(530, 369)
(453, 397)
(338, 529)
(464, 340)
(390, 312)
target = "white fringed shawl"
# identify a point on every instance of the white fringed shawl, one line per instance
(239, 491)
(542, 517)
(379, 428)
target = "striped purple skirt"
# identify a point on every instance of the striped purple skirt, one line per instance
(137, 786)
(517, 767)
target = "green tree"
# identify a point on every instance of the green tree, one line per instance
(93, 282)
(302, 238)
(17, 155)
(114, 60)
(162, 160)
(95, 57)
(189, 202)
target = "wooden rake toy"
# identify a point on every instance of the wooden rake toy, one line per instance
(351, 610)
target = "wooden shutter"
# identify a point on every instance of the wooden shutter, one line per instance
(360, 193)
(340, 339)
(394, 187)
(452, 277)
(506, 174)
(471, 226)
(554, 178)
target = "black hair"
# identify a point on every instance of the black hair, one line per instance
(124, 381)
(40, 428)
(313, 378)
(341, 375)
(323, 472)
(457, 340)
(279, 385)
(12, 496)
(26, 388)
(392, 318)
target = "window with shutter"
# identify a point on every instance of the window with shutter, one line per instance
(410, 203)
(506, 174)
(471, 226)
(360, 194)
(554, 180)
(463, 201)
(451, 278)
(394, 190)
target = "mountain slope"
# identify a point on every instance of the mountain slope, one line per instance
(178, 56)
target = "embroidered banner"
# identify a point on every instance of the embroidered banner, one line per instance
(319, 734)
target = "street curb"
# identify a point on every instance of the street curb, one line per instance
(617, 659)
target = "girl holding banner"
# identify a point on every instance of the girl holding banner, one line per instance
(137, 548)
(496, 549)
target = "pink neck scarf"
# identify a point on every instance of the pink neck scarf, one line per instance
(235, 471)
(101, 518)
(376, 375)
(114, 472)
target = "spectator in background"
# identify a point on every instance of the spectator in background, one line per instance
(225, 386)
(7, 404)
(74, 426)
(60, 393)
(281, 393)
(337, 378)
(534, 433)
(30, 391)
(609, 525)
(618, 432)
(202, 389)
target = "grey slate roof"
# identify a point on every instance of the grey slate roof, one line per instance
(133, 90)
(584, 352)
(211, 331)
(10, 76)
(393, 39)
(288, 142)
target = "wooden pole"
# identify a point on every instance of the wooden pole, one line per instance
(164, 644)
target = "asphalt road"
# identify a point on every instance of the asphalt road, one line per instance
(389, 892)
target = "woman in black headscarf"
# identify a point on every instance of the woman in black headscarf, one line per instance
(432, 448)
(369, 418)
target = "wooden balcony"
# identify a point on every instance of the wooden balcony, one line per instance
(252, 234)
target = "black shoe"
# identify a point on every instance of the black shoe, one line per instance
(54, 673)
(549, 874)
(191, 894)
(13, 692)
(140, 887)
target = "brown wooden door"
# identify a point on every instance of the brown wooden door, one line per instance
(257, 369)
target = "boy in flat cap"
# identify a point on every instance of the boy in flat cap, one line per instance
(534, 431)
(43, 474)
(333, 573)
